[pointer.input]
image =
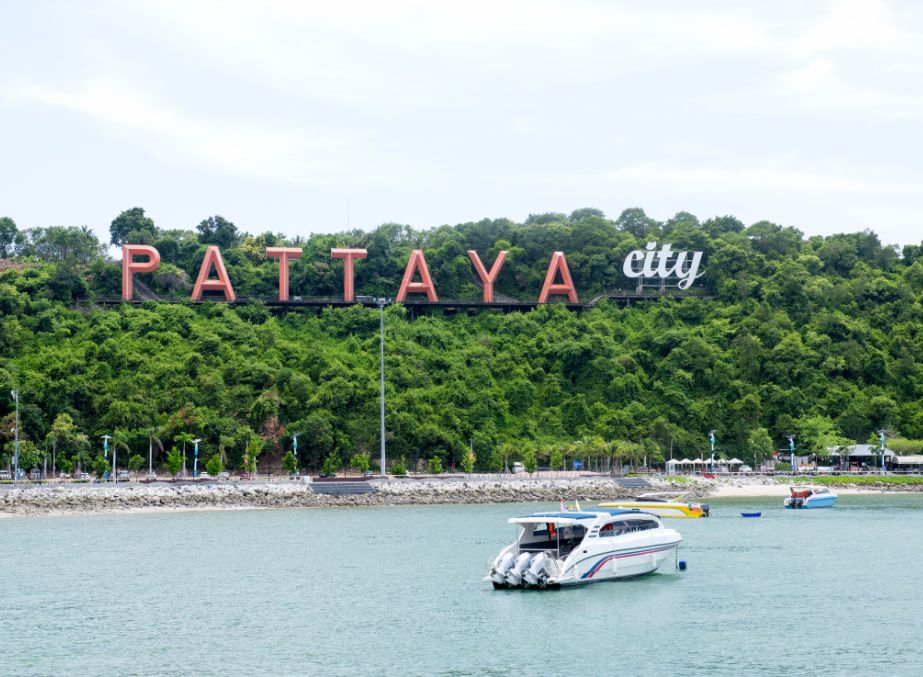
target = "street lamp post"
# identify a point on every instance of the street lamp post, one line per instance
(195, 462)
(15, 394)
(711, 438)
(381, 303)
(791, 453)
(881, 435)
(106, 439)
(295, 449)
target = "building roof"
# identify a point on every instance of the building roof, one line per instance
(913, 459)
(860, 450)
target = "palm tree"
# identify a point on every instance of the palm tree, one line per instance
(183, 438)
(119, 439)
(153, 436)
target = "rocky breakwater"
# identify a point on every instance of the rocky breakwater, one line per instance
(51, 499)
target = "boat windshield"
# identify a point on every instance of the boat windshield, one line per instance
(561, 538)
(626, 526)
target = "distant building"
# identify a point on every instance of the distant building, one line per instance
(863, 454)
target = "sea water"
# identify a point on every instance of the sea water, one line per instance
(399, 591)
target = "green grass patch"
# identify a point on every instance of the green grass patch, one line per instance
(862, 480)
(677, 479)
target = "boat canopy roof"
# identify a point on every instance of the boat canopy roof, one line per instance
(570, 516)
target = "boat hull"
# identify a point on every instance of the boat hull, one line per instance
(824, 501)
(620, 563)
(675, 510)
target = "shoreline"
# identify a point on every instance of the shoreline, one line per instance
(60, 500)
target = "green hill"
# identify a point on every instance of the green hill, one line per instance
(819, 336)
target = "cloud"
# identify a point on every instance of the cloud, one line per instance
(260, 150)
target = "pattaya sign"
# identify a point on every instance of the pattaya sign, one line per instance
(647, 263)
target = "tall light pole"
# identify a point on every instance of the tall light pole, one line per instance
(195, 462)
(791, 453)
(295, 449)
(381, 303)
(881, 435)
(711, 438)
(381, 344)
(15, 394)
(106, 439)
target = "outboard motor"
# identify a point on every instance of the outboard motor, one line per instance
(705, 509)
(514, 575)
(501, 567)
(538, 571)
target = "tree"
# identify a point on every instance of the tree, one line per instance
(135, 463)
(62, 430)
(435, 465)
(131, 222)
(399, 466)
(468, 460)
(331, 464)
(759, 443)
(215, 466)
(218, 231)
(9, 237)
(174, 462)
(289, 463)
(360, 461)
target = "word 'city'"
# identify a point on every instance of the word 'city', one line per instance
(558, 282)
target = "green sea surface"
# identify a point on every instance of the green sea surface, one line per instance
(399, 591)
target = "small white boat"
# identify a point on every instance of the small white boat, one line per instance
(810, 497)
(571, 547)
(662, 505)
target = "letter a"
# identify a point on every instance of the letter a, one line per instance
(417, 263)
(348, 255)
(487, 279)
(283, 254)
(565, 287)
(130, 267)
(222, 284)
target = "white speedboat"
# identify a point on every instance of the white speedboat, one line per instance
(571, 547)
(810, 497)
(669, 505)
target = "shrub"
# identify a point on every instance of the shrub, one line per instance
(215, 466)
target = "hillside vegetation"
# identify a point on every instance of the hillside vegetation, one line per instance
(820, 337)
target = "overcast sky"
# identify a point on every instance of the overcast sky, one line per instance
(275, 114)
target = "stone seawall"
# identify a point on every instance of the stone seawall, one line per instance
(94, 498)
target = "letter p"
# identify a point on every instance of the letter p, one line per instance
(130, 266)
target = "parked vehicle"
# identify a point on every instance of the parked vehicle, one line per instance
(224, 475)
(246, 475)
(124, 476)
(518, 467)
(5, 475)
(368, 473)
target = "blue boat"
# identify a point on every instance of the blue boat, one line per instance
(810, 497)
(751, 514)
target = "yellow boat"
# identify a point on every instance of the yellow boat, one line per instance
(671, 506)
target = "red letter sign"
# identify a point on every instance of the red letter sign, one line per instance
(566, 286)
(129, 267)
(417, 263)
(283, 254)
(222, 284)
(348, 256)
(488, 280)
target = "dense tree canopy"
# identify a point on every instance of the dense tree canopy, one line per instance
(818, 337)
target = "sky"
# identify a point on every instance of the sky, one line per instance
(301, 117)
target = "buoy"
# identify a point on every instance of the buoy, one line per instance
(682, 565)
